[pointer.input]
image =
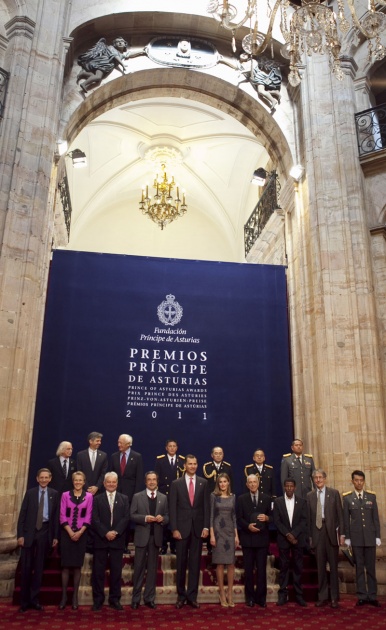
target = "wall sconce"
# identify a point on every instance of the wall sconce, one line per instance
(259, 176)
(79, 159)
(297, 172)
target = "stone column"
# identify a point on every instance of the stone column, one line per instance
(35, 61)
(339, 405)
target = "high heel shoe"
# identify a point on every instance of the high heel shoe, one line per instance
(63, 603)
(230, 601)
(223, 601)
(74, 604)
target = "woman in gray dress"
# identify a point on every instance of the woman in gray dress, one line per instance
(223, 535)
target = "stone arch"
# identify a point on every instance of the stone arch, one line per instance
(196, 86)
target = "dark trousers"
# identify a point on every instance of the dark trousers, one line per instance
(145, 559)
(188, 551)
(255, 558)
(365, 560)
(326, 552)
(32, 561)
(101, 556)
(285, 555)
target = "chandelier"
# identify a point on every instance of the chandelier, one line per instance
(312, 27)
(162, 208)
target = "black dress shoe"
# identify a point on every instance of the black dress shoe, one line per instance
(151, 605)
(180, 603)
(374, 602)
(334, 604)
(37, 607)
(135, 605)
(23, 609)
(262, 604)
(74, 606)
(301, 602)
(250, 603)
(96, 607)
(116, 605)
(281, 601)
(361, 602)
(192, 603)
(320, 603)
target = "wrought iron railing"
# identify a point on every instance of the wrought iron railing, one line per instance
(65, 198)
(371, 130)
(267, 204)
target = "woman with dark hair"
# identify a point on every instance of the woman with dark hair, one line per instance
(223, 535)
(75, 518)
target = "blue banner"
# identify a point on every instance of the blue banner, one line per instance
(158, 348)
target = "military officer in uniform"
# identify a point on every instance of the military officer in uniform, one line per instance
(264, 471)
(216, 466)
(362, 530)
(298, 466)
(168, 467)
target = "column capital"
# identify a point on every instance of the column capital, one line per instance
(20, 25)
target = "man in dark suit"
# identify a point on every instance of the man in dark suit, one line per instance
(264, 471)
(298, 466)
(290, 518)
(363, 534)
(253, 516)
(110, 517)
(62, 466)
(149, 511)
(93, 463)
(325, 518)
(189, 521)
(169, 466)
(128, 466)
(37, 532)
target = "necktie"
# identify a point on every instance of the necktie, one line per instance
(172, 462)
(152, 495)
(93, 458)
(65, 468)
(39, 518)
(123, 464)
(254, 501)
(319, 521)
(111, 502)
(360, 498)
(191, 491)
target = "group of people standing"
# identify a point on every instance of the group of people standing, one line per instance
(88, 504)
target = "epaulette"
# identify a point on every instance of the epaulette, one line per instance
(245, 469)
(287, 455)
(212, 474)
(160, 456)
(370, 491)
(268, 466)
(308, 455)
(227, 463)
(207, 463)
(182, 456)
(345, 494)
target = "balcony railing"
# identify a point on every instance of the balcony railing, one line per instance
(371, 130)
(65, 198)
(264, 208)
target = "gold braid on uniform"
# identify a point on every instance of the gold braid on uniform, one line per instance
(213, 473)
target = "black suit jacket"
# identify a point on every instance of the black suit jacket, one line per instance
(333, 514)
(165, 473)
(26, 524)
(245, 515)
(299, 528)
(93, 477)
(267, 478)
(184, 517)
(59, 482)
(101, 520)
(132, 480)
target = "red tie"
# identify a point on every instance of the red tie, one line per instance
(191, 491)
(123, 464)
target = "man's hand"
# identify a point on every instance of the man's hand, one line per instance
(205, 533)
(291, 539)
(341, 540)
(20, 541)
(111, 535)
(159, 518)
(92, 489)
(252, 528)
(55, 542)
(177, 534)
